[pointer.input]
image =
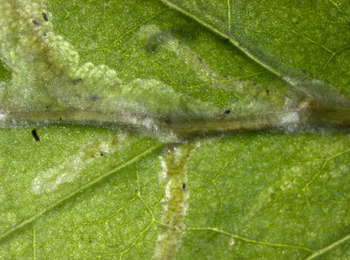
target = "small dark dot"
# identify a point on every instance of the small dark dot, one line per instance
(227, 111)
(95, 97)
(184, 186)
(60, 119)
(36, 23)
(267, 92)
(35, 135)
(101, 154)
(90, 241)
(45, 17)
(76, 81)
(200, 59)
(167, 121)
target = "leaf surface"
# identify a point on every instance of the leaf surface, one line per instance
(126, 192)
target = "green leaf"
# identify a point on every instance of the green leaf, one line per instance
(168, 175)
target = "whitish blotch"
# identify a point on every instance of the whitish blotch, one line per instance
(70, 168)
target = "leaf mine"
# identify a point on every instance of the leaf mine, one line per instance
(50, 85)
(68, 170)
(242, 195)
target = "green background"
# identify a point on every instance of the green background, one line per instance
(255, 195)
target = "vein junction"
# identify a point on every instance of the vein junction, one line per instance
(49, 84)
